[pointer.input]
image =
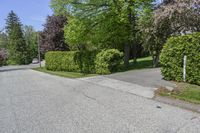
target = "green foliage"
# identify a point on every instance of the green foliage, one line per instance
(104, 24)
(3, 40)
(172, 58)
(17, 48)
(108, 61)
(76, 35)
(68, 62)
(31, 38)
(3, 57)
(154, 34)
(71, 61)
(85, 62)
(53, 60)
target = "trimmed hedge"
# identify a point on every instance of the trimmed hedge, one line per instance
(70, 61)
(104, 62)
(108, 61)
(53, 60)
(172, 58)
(85, 60)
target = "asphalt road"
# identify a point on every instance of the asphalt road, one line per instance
(34, 102)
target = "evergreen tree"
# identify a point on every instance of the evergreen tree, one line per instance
(31, 38)
(17, 48)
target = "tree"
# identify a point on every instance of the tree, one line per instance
(3, 40)
(171, 17)
(31, 38)
(154, 35)
(3, 46)
(183, 15)
(52, 37)
(106, 23)
(17, 48)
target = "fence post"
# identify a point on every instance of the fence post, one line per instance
(184, 68)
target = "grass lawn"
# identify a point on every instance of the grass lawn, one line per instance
(64, 74)
(184, 91)
(141, 63)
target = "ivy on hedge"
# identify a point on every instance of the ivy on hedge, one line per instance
(103, 62)
(172, 58)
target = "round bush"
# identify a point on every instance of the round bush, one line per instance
(108, 61)
(172, 58)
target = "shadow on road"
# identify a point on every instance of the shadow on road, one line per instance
(17, 68)
(13, 69)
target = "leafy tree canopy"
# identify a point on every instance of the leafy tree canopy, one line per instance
(101, 24)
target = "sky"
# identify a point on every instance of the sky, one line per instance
(30, 12)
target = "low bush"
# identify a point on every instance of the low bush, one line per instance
(108, 61)
(104, 62)
(3, 57)
(86, 61)
(71, 61)
(1, 61)
(54, 60)
(68, 62)
(172, 58)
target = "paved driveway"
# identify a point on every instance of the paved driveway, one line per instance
(145, 77)
(33, 102)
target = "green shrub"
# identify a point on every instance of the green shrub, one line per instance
(71, 61)
(1, 62)
(3, 57)
(68, 62)
(86, 61)
(54, 60)
(104, 62)
(108, 61)
(172, 58)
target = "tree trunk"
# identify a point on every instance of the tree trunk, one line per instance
(126, 55)
(134, 53)
(155, 60)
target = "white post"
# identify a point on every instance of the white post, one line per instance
(184, 68)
